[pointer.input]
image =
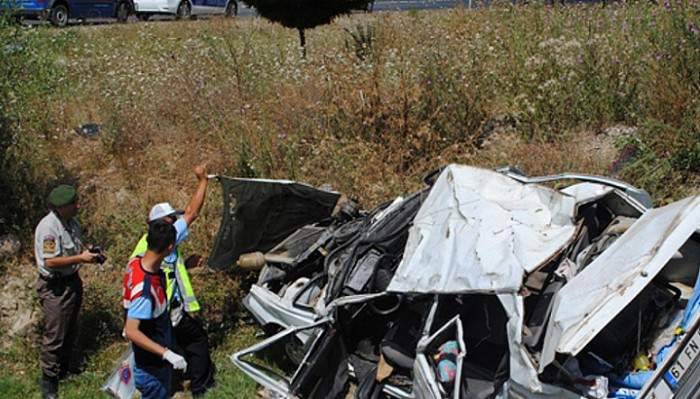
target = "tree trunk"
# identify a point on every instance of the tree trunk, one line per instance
(302, 41)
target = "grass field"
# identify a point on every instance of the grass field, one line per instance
(379, 100)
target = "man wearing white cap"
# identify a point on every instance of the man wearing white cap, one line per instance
(189, 334)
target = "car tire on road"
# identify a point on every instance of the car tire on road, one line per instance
(143, 16)
(58, 16)
(123, 11)
(184, 10)
(231, 9)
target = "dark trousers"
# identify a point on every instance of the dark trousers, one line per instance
(194, 344)
(60, 300)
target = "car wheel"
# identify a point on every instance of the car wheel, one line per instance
(232, 9)
(143, 17)
(184, 10)
(59, 15)
(296, 350)
(123, 11)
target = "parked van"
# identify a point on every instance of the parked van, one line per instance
(58, 12)
(184, 8)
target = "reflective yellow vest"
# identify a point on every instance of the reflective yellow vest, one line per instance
(182, 279)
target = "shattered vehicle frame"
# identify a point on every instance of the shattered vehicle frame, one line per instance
(484, 284)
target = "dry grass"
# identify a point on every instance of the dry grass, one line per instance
(531, 86)
(238, 94)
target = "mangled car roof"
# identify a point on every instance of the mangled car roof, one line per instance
(481, 231)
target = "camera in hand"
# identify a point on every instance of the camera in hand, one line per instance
(100, 258)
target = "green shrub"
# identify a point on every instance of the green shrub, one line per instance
(30, 74)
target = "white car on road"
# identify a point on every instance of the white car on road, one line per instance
(184, 8)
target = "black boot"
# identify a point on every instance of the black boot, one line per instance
(67, 373)
(49, 387)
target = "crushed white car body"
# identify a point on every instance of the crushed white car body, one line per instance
(587, 303)
(481, 231)
(485, 284)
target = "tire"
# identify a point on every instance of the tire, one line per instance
(58, 16)
(123, 11)
(184, 10)
(295, 350)
(143, 16)
(231, 9)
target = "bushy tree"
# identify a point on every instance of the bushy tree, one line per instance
(305, 14)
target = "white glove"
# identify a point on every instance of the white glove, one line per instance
(176, 360)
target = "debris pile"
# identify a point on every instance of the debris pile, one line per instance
(482, 284)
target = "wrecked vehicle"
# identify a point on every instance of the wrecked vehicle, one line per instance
(482, 284)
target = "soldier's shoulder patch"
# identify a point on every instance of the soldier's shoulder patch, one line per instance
(49, 244)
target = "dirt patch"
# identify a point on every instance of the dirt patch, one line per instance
(18, 313)
(606, 144)
(9, 246)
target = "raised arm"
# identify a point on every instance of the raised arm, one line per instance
(195, 205)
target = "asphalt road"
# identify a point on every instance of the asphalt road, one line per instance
(385, 5)
(245, 11)
(399, 5)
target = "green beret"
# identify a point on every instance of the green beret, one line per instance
(62, 195)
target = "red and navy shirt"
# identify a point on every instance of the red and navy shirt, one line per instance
(144, 299)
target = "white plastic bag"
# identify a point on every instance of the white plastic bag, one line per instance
(120, 383)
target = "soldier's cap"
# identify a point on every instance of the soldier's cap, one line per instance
(63, 195)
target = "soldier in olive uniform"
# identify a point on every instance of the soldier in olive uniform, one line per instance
(59, 253)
